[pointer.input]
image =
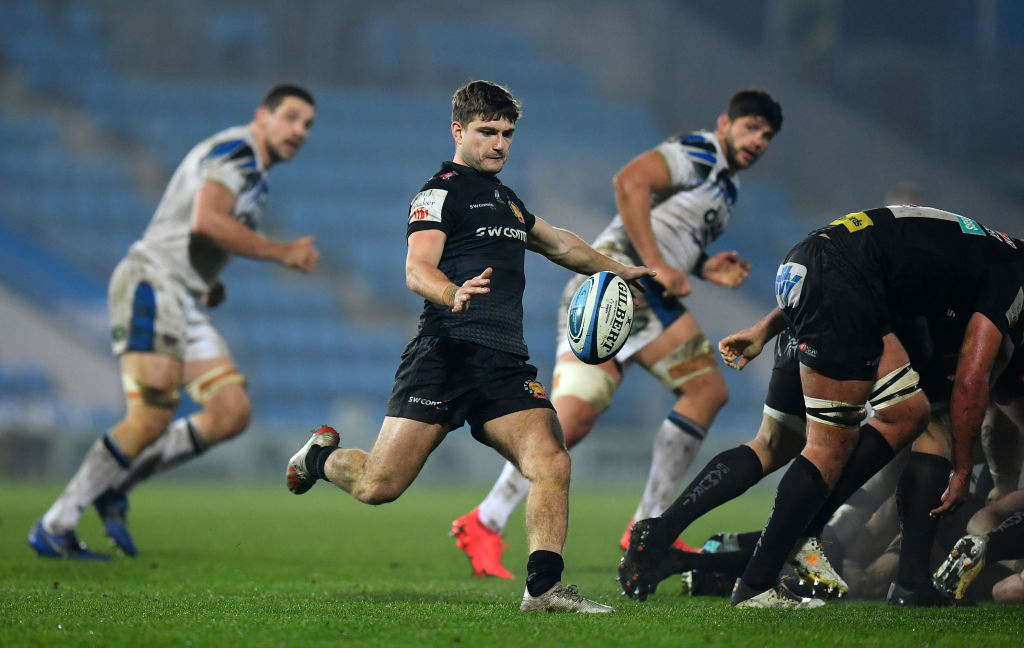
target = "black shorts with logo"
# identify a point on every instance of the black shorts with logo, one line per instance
(447, 381)
(837, 313)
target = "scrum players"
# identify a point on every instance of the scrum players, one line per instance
(673, 201)
(160, 328)
(841, 289)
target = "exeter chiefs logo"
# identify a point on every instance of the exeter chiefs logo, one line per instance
(515, 210)
(536, 389)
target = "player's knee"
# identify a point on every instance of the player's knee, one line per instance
(1010, 590)
(222, 394)
(141, 427)
(576, 417)
(776, 443)
(715, 391)
(550, 464)
(229, 414)
(377, 492)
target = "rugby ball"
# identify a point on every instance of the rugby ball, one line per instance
(600, 317)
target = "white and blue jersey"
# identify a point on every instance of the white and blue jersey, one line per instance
(155, 293)
(692, 211)
(230, 158)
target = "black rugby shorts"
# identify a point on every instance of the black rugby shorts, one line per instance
(837, 312)
(448, 381)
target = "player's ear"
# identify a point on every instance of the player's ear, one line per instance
(457, 132)
(262, 114)
(723, 122)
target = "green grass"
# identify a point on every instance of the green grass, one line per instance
(236, 566)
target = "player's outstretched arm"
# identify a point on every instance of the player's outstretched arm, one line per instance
(726, 269)
(739, 348)
(982, 348)
(423, 277)
(213, 218)
(570, 251)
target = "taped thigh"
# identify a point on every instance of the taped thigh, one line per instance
(206, 385)
(693, 358)
(790, 422)
(835, 413)
(895, 387)
(586, 382)
(134, 391)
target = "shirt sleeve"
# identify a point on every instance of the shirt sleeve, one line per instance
(1001, 298)
(689, 158)
(229, 164)
(427, 211)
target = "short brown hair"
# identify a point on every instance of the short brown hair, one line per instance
(758, 103)
(278, 93)
(485, 101)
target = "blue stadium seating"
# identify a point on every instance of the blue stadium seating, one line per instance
(371, 149)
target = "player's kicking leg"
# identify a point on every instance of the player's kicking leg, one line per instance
(580, 394)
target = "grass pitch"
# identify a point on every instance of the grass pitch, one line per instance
(258, 566)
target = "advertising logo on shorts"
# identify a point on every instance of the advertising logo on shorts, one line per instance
(426, 205)
(789, 281)
(536, 389)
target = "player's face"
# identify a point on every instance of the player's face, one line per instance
(286, 128)
(483, 145)
(744, 139)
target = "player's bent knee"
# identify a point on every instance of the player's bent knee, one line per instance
(229, 415)
(546, 466)
(778, 442)
(589, 383)
(1010, 590)
(378, 492)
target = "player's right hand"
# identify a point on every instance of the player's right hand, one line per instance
(739, 348)
(300, 254)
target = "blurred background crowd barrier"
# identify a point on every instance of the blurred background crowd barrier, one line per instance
(100, 99)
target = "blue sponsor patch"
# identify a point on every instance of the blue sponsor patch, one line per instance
(788, 283)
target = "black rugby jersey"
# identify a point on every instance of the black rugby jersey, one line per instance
(937, 264)
(486, 226)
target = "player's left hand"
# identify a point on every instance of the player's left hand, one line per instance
(726, 269)
(478, 285)
(955, 495)
(216, 296)
(739, 348)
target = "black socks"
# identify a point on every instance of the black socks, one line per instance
(728, 475)
(870, 455)
(543, 570)
(919, 491)
(316, 459)
(801, 493)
